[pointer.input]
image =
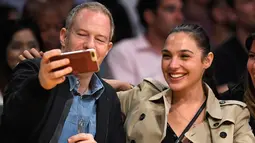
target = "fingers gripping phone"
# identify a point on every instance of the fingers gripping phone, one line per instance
(81, 61)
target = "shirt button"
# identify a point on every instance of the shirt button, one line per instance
(142, 116)
(223, 134)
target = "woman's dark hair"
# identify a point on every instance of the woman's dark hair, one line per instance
(203, 42)
(249, 95)
(198, 33)
(9, 28)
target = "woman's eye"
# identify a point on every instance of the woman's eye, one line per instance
(32, 45)
(185, 56)
(16, 46)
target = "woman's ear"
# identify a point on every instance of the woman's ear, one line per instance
(208, 60)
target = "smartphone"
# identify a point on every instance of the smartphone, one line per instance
(81, 61)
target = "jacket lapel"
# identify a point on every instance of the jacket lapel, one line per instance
(59, 96)
(199, 134)
(163, 118)
(103, 111)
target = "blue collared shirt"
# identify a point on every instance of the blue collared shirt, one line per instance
(82, 114)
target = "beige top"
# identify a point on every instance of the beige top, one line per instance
(146, 110)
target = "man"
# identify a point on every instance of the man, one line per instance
(221, 22)
(131, 60)
(44, 105)
(231, 57)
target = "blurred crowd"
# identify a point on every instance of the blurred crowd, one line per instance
(141, 28)
(139, 36)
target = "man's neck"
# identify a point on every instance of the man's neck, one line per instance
(156, 41)
(84, 80)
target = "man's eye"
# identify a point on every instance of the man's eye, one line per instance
(100, 40)
(82, 34)
(170, 9)
(166, 56)
(251, 56)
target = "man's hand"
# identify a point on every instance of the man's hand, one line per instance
(82, 138)
(49, 77)
(119, 85)
(30, 54)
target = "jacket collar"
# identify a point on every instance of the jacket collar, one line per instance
(212, 104)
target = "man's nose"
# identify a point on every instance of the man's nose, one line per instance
(90, 44)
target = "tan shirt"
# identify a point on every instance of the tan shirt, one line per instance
(146, 110)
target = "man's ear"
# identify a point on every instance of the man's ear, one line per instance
(109, 47)
(63, 34)
(149, 17)
(208, 60)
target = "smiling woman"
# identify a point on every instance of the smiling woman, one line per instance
(187, 110)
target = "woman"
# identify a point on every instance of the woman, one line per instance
(16, 36)
(187, 111)
(249, 95)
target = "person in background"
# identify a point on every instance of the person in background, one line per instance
(131, 60)
(221, 22)
(16, 37)
(249, 96)
(197, 12)
(231, 57)
(49, 20)
(48, 105)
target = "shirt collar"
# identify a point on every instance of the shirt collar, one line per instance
(96, 86)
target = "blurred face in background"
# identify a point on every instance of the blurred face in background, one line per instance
(168, 15)
(21, 40)
(251, 63)
(50, 23)
(245, 12)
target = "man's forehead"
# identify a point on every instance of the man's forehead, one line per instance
(171, 2)
(253, 44)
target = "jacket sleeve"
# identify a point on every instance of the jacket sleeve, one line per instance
(24, 102)
(243, 132)
(147, 88)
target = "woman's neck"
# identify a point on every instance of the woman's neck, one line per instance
(193, 95)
